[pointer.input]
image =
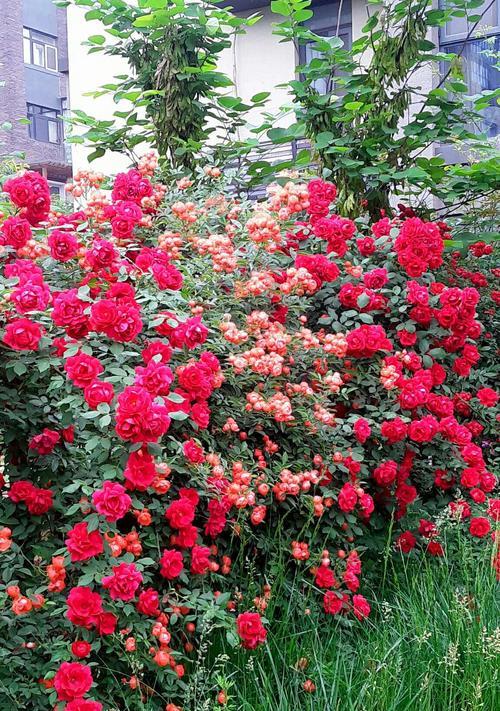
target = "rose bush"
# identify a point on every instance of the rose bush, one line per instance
(194, 386)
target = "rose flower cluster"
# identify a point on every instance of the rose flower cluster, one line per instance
(183, 376)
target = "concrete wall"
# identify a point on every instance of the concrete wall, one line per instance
(40, 15)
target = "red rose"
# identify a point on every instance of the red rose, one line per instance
(200, 560)
(124, 581)
(435, 549)
(72, 680)
(122, 227)
(366, 505)
(131, 186)
(167, 276)
(172, 564)
(360, 607)
(332, 602)
(103, 315)
(470, 477)
(394, 430)
(376, 278)
(423, 430)
(406, 541)
(111, 501)
(200, 414)
(195, 381)
(83, 705)
(69, 312)
(83, 544)
(133, 400)
(21, 491)
(156, 378)
(44, 442)
(23, 335)
(193, 452)
(180, 513)
(106, 623)
(479, 526)
(15, 232)
(406, 338)
(157, 348)
(84, 607)
(155, 423)
(250, 629)
(348, 497)
(140, 471)
(101, 254)
(191, 333)
(20, 190)
(30, 297)
(81, 649)
(185, 538)
(487, 397)
(68, 434)
(63, 245)
(39, 501)
(82, 369)
(148, 602)
(324, 577)
(362, 430)
(366, 246)
(385, 473)
(98, 392)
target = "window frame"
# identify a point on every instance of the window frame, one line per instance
(51, 122)
(48, 43)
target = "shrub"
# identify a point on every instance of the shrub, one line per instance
(198, 392)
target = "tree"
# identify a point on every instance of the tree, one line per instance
(357, 127)
(175, 89)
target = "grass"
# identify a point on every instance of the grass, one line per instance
(432, 643)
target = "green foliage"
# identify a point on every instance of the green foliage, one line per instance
(372, 128)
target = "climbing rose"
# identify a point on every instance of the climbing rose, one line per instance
(124, 581)
(72, 680)
(23, 335)
(250, 629)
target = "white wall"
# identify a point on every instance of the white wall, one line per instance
(87, 73)
(258, 62)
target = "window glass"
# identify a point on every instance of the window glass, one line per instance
(45, 124)
(329, 20)
(51, 57)
(38, 54)
(53, 133)
(481, 72)
(479, 56)
(27, 50)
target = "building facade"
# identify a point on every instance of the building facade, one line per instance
(34, 90)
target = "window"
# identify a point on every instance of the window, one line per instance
(57, 190)
(330, 19)
(46, 124)
(39, 49)
(479, 56)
